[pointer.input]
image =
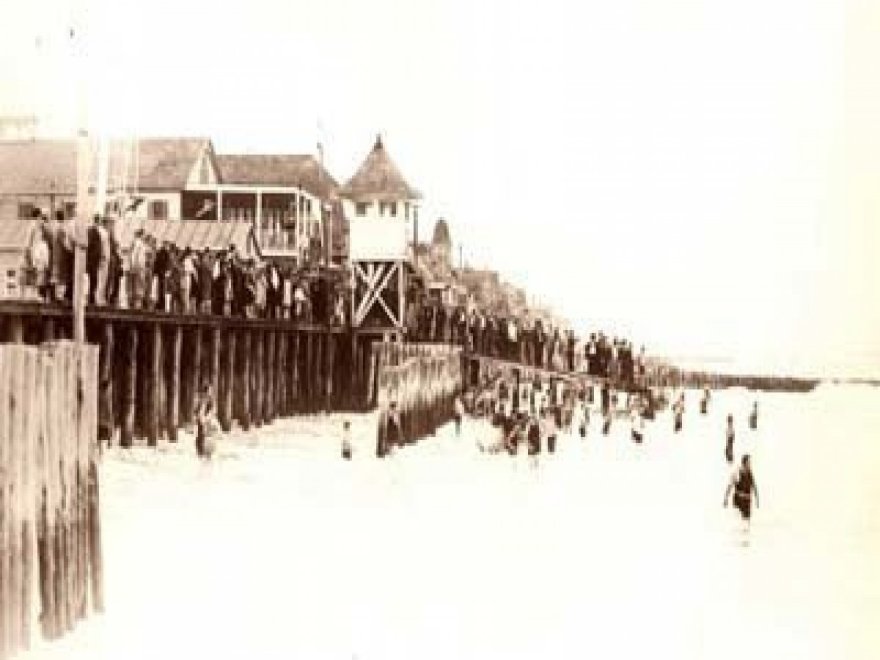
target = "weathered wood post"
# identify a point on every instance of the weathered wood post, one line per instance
(229, 382)
(105, 384)
(155, 386)
(330, 370)
(16, 329)
(281, 376)
(269, 396)
(195, 373)
(174, 382)
(129, 387)
(215, 362)
(309, 377)
(245, 380)
(48, 328)
(294, 366)
(257, 377)
(8, 486)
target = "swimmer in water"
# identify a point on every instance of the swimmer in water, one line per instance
(743, 485)
(728, 447)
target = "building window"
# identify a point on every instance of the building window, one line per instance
(406, 210)
(158, 209)
(392, 209)
(70, 209)
(361, 208)
(25, 210)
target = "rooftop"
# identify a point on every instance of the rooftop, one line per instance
(295, 170)
(378, 178)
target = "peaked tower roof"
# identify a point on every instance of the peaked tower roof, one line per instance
(441, 233)
(378, 179)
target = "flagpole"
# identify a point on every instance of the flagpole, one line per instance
(83, 169)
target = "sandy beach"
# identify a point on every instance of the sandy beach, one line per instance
(606, 549)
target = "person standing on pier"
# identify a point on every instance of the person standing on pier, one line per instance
(730, 435)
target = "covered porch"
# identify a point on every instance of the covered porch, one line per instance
(286, 220)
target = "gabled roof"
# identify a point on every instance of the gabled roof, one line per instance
(378, 179)
(36, 167)
(165, 163)
(295, 170)
(49, 166)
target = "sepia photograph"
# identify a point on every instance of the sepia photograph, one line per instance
(410, 330)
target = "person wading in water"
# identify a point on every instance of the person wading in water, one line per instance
(753, 418)
(743, 484)
(678, 412)
(458, 414)
(728, 447)
(704, 402)
(206, 423)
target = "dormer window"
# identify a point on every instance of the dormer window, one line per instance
(361, 208)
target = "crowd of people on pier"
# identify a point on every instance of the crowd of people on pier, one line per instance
(526, 340)
(156, 275)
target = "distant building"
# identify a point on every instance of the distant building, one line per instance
(183, 179)
(382, 209)
(163, 173)
(292, 201)
(379, 200)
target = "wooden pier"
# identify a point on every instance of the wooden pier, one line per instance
(153, 364)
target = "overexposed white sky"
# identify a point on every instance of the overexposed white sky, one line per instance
(704, 177)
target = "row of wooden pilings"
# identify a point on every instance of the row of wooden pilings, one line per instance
(50, 539)
(422, 380)
(152, 367)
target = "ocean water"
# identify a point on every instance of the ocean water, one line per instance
(605, 549)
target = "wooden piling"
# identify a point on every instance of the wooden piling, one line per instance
(269, 396)
(293, 366)
(155, 386)
(49, 329)
(245, 380)
(308, 376)
(225, 406)
(129, 387)
(105, 384)
(257, 378)
(281, 397)
(174, 382)
(16, 329)
(195, 373)
(215, 362)
(7, 486)
(330, 370)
